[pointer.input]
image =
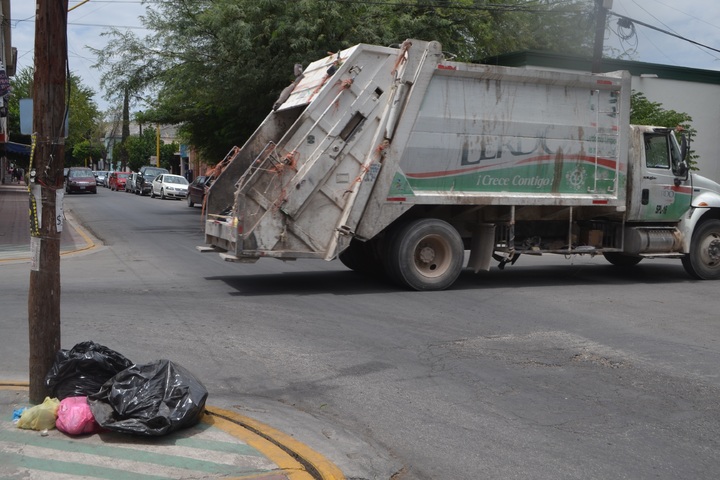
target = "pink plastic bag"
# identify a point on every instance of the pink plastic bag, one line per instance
(75, 418)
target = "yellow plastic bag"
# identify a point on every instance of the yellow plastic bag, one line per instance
(40, 417)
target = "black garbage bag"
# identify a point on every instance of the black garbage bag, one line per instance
(82, 370)
(152, 399)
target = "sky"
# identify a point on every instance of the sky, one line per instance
(698, 20)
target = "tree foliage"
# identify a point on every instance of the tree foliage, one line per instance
(83, 117)
(646, 112)
(215, 67)
(88, 151)
(140, 148)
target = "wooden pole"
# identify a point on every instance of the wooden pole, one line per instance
(601, 8)
(49, 127)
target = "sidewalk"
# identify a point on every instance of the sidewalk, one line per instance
(223, 445)
(15, 227)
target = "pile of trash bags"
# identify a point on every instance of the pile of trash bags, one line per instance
(95, 388)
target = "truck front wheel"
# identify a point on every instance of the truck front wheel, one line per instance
(703, 261)
(425, 254)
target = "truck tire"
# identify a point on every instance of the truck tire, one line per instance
(425, 254)
(703, 261)
(622, 259)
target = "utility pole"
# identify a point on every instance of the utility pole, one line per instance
(601, 9)
(49, 127)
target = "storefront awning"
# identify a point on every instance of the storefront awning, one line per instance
(12, 147)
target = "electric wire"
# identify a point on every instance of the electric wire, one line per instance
(666, 32)
(699, 47)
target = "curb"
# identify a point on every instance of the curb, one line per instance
(75, 225)
(316, 465)
(89, 241)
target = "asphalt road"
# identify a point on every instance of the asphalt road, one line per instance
(551, 369)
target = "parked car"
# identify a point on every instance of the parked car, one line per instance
(80, 180)
(131, 186)
(118, 180)
(197, 190)
(169, 186)
(101, 177)
(146, 176)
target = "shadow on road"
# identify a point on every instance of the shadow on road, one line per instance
(572, 275)
(351, 283)
(305, 283)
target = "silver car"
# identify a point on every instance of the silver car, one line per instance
(132, 184)
(101, 177)
(168, 185)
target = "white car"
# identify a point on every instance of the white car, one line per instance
(169, 186)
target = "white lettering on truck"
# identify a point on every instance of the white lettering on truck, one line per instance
(517, 181)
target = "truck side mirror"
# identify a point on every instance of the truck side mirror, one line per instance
(682, 169)
(681, 173)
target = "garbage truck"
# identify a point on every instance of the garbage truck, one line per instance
(405, 164)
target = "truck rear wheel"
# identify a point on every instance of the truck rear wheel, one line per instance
(622, 259)
(425, 254)
(362, 257)
(703, 261)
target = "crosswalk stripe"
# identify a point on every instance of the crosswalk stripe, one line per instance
(138, 454)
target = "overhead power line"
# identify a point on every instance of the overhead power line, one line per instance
(524, 7)
(666, 32)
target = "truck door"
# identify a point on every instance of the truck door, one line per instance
(665, 191)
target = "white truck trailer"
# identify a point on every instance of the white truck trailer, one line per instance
(398, 161)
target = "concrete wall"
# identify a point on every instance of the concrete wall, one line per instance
(699, 100)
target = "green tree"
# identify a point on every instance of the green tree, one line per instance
(84, 117)
(128, 69)
(216, 67)
(646, 112)
(84, 120)
(167, 155)
(89, 151)
(119, 155)
(21, 84)
(140, 148)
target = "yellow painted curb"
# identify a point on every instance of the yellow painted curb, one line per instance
(287, 464)
(14, 386)
(304, 454)
(81, 231)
